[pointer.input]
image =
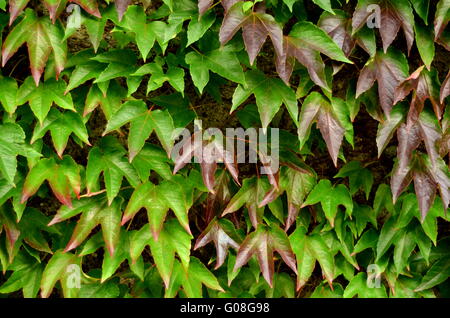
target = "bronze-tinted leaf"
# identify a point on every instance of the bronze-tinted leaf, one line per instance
(256, 27)
(389, 70)
(262, 243)
(394, 15)
(218, 231)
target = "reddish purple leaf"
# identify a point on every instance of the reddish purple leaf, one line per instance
(423, 84)
(389, 70)
(15, 8)
(221, 196)
(332, 131)
(445, 89)
(262, 243)
(218, 231)
(339, 28)
(297, 182)
(121, 7)
(428, 177)
(90, 6)
(204, 5)
(256, 27)
(393, 16)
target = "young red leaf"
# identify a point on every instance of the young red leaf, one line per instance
(339, 28)
(262, 243)
(394, 15)
(445, 89)
(121, 7)
(63, 177)
(55, 7)
(217, 232)
(297, 183)
(204, 5)
(423, 83)
(15, 8)
(250, 194)
(329, 121)
(442, 18)
(90, 6)
(427, 176)
(389, 70)
(108, 216)
(256, 27)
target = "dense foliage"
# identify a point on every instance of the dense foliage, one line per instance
(93, 91)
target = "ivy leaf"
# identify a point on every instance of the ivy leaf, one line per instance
(297, 182)
(90, 6)
(216, 231)
(198, 26)
(389, 70)
(41, 98)
(63, 178)
(204, 5)
(83, 73)
(108, 157)
(330, 198)
(172, 239)
(110, 101)
(208, 153)
(262, 243)
(359, 177)
(95, 211)
(57, 270)
(136, 21)
(425, 44)
(405, 244)
(147, 196)
(445, 88)
(178, 195)
(422, 7)
(393, 14)
(270, 93)
(304, 44)
(15, 8)
(410, 135)
(8, 95)
(359, 286)
(192, 279)
(256, 27)
(152, 158)
(174, 75)
(441, 18)
(428, 176)
(121, 7)
(329, 121)
(55, 8)
(338, 26)
(437, 274)
(423, 85)
(61, 126)
(42, 38)
(308, 250)
(223, 62)
(27, 278)
(387, 128)
(12, 144)
(143, 122)
(251, 194)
